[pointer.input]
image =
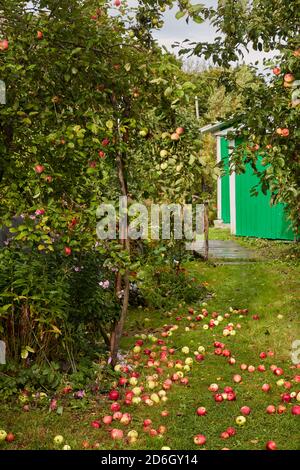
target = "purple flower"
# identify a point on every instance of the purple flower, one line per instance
(80, 394)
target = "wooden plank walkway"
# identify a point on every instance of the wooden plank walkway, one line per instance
(225, 249)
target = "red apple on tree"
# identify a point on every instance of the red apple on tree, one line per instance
(68, 251)
(4, 45)
(40, 35)
(39, 169)
(276, 70)
(289, 77)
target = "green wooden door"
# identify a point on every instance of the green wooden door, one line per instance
(225, 186)
(255, 216)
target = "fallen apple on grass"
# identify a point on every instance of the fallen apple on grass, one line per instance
(58, 440)
(271, 445)
(199, 440)
(201, 411)
(116, 434)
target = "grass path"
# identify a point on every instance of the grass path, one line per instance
(267, 289)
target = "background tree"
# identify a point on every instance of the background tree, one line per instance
(264, 26)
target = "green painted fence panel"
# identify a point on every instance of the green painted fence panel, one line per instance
(255, 216)
(225, 185)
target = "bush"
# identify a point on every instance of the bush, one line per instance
(53, 307)
(166, 287)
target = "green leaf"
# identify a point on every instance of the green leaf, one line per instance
(180, 14)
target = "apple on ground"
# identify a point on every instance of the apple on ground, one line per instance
(271, 445)
(199, 439)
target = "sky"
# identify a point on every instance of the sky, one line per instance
(178, 30)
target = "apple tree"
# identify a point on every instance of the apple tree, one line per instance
(273, 106)
(92, 112)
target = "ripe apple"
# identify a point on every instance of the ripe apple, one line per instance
(240, 420)
(226, 353)
(231, 396)
(213, 388)
(237, 378)
(261, 368)
(200, 440)
(281, 409)
(162, 429)
(266, 388)
(285, 132)
(279, 132)
(201, 411)
(224, 435)
(4, 45)
(251, 369)
(276, 70)
(107, 419)
(271, 445)
(113, 395)
(286, 397)
(116, 434)
(231, 361)
(66, 447)
(218, 397)
(96, 424)
(123, 381)
(199, 357)
(164, 153)
(218, 351)
(3, 435)
(271, 409)
(115, 407)
(68, 251)
(175, 136)
(263, 355)
(58, 440)
(243, 366)
(153, 432)
(39, 169)
(101, 154)
(117, 415)
(105, 142)
(40, 35)
(179, 130)
(10, 437)
(289, 77)
(117, 3)
(295, 410)
(245, 410)
(125, 418)
(231, 431)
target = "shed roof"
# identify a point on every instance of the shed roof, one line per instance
(218, 128)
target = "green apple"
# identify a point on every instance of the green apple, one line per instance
(3, 435)
(58, 440)
(143, 132)
(240, 420)
(164, 153)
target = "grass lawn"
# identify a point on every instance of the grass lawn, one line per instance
(267, 289)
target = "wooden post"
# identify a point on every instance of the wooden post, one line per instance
(206, 231)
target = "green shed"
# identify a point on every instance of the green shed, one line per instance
(245, 214)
